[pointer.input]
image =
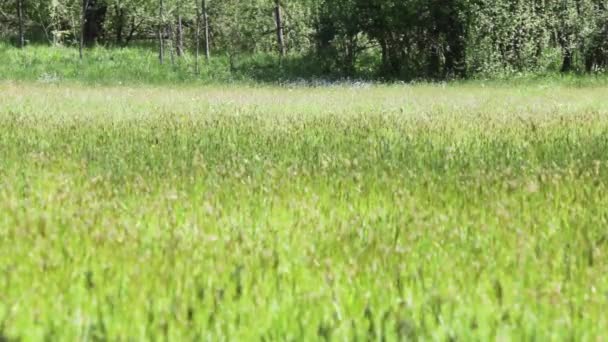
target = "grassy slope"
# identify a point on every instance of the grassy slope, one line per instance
(227, 212)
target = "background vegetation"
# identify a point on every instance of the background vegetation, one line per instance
(381, 39)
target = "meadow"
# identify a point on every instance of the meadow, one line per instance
(403, 212)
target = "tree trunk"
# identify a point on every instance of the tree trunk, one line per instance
(206, 27)
(589, 61)
(120, 24)
(131, 32)
(179, 48)
(94, 17)
(434, 64)
(198, 39)
(385, 62)
(567, 62)
(171, 35)
(85, 6)
(455, 57)
(20, 15)
(393, 57)
(280, 32)
(161, 43)
(350, 55)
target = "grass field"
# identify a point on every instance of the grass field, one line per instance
(240, 213)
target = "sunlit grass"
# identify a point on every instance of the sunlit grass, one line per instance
(240, 213)
(139, 66)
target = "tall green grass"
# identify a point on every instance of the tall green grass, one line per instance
(104, 66)
(140, 65)
(235, 213)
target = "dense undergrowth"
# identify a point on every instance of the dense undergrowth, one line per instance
(139, 65)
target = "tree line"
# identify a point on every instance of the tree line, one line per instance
(391, 38)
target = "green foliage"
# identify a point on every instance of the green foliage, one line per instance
(226, 213)
(139, 65)
(409, 39)
(106, 66)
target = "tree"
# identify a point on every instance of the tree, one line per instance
(85, 6)
(280, 30)
(179, 46)
(206, 28)
(337, 32)
(201, 18)
(21, 31)
(161, 44)
(402, 39)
